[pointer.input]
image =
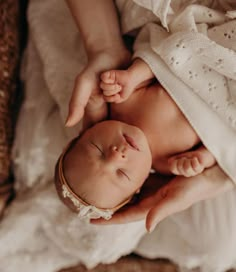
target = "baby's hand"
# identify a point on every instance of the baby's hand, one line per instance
(186, 165)
(87, 98)
(117, 85)
(191, 163)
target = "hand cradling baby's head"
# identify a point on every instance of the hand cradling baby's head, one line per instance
(107, 164)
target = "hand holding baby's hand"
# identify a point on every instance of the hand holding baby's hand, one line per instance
(116, 85)
(87, 97)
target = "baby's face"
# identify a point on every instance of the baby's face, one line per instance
(108, 164)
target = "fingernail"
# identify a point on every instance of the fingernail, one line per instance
(67, 122)
(151, 228)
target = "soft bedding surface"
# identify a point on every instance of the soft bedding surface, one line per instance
(38, 233)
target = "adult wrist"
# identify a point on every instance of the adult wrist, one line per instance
(98, 46)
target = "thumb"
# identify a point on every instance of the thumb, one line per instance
(168, 205)
(82, 90)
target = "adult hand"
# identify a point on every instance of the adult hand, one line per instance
(176, 195)
(87, 97)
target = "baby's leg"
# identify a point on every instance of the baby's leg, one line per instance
(117, 85)
(191, 163)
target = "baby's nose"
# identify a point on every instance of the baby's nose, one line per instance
(118, 152)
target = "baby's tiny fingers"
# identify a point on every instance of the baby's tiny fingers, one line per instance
(109, 77)
(177, 166)
(124, 94)
(196, 165)
(112, 99)
(173, 166)
(185, 167)
(110, 89)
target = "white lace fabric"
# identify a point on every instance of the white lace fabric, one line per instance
(86, 211)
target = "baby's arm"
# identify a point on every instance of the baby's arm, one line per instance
(191, 163)
(118, 85)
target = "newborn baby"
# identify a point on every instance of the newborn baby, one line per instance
(104, 167)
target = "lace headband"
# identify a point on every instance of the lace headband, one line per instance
(85, 210)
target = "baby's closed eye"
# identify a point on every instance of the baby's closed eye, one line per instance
(97, 148)
(122, 173)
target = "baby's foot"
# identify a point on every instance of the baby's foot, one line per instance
(117, 85)
(189, 164)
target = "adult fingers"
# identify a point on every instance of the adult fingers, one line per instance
(182, 192)
(170, 199)
(83, 88)
(95, 111)
(130, 213)
(165, 207)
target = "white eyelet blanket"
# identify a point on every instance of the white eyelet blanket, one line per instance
(38, 233)
(196, 62)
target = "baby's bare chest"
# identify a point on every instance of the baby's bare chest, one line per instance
(167, 130)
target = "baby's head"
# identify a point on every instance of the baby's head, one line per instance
(104, 167)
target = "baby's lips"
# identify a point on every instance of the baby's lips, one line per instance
(131, 142)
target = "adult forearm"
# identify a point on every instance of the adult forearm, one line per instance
(98, 23)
